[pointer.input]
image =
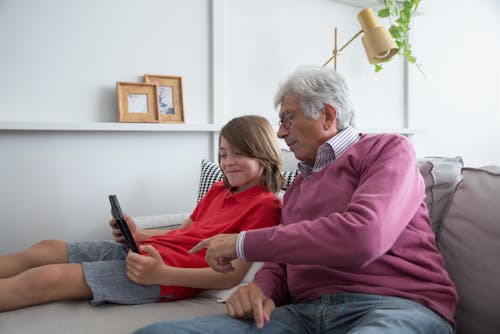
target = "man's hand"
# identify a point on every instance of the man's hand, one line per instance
(249, 302)
(146, 270)
(221, 250)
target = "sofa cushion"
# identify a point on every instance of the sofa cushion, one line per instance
(79, 317)
(221, 296)
(469, 240)
(441, 176)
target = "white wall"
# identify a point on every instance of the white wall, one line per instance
(456, 107)
(56, 184)
(60, 61)
(266, 40)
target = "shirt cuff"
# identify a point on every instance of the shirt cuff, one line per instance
(239, 246)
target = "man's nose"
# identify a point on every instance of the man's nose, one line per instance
(282, 132)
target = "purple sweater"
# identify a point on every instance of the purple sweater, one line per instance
(359, 225)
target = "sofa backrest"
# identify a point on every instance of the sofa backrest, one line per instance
(464, 206)
(469, 239)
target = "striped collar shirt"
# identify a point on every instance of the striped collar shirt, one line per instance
(329, 151)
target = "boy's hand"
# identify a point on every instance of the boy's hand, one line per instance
(144, 269)
(117, 234)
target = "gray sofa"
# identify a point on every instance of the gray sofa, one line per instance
(464, 204)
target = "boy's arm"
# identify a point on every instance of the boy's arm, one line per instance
(147, 270)
(142, 234)
(206, 278)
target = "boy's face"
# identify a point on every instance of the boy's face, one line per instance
(241, 171)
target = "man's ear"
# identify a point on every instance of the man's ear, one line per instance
(330, 116)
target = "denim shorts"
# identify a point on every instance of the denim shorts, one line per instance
(105, 272)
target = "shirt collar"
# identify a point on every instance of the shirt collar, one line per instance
(330, 150)
(244, 195)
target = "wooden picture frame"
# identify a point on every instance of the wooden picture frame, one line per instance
(169, 94)
(137, 102)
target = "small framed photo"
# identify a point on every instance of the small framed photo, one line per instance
(169, 94)
(137, 102)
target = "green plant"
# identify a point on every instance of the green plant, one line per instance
(399, 13)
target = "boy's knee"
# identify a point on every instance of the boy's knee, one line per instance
(46, 252)
(43, 278)
(49, 244)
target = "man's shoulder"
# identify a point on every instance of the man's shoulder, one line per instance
(371, 147)
(381, 140)
(381, 137)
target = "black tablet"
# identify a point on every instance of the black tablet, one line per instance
(116, 211)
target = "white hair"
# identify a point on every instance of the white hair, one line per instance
(317, 86)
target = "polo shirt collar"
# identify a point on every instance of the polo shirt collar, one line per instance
(244, 195)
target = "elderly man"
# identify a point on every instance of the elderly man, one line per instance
(354, 252)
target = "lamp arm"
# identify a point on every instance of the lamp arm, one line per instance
(336, 52)
(329, 59)
(349, 41)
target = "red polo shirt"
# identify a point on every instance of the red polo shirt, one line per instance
(220, 211)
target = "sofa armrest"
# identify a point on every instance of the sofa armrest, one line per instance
(161, 221)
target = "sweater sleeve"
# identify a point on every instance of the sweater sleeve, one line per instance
(388, 194)
(272, 279)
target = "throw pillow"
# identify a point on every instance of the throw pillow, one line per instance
(210, 173)
(289, 176)
(441, 176)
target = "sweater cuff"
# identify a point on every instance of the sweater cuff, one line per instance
(239, 246)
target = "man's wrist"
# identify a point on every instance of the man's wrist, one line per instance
(239, 246)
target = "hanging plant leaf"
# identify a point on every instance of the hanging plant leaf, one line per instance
(384, 12)
(399, 13)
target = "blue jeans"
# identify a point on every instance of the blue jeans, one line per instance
(337, 313)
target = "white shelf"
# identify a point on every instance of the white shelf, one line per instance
(143, 127)
(107, 126)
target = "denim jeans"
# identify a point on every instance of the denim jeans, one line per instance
(337, 313)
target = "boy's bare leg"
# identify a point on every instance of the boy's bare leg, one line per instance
(43, 284)
(41, 253)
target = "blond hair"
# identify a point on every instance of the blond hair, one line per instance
(254, 137)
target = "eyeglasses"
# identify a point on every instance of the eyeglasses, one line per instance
(286, 120)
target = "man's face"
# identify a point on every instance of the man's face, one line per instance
(304, 135)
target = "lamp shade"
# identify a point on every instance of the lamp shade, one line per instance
(378, 42)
